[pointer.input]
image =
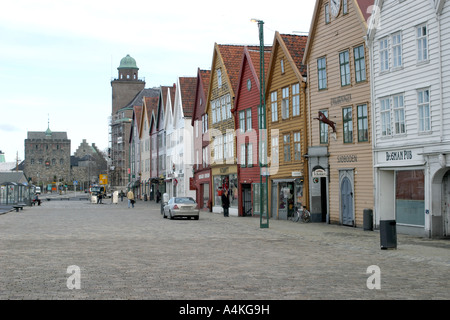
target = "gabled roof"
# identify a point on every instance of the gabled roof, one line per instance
(138, 99)
(187, 87)
(201, 88)
(293, 47)
(251, 57)
(137, 114)
(149, 108)
(166, 92)
(362, 7)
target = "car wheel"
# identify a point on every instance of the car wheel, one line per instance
(196, 217)
(164, 215)
(170, 215)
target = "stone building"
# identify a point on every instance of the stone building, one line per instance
(47, 157)
(87, 163)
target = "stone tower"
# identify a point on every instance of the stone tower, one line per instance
(125, 89)
(47, 157)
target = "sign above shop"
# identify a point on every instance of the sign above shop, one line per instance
(319, 173)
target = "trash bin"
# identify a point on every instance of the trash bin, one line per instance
(368, 220)
(388, 234)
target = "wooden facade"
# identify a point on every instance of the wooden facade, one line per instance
(340, 141)
(221, 93)
(286, 126)
(202, 170)
(245, 113)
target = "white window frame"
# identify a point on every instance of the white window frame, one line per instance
(422, 43)
(384, 54)
(296, 99)
(424, 110)
(398, 108)
(397, 55)
(285, 103)
(274, 105)
(385, 117)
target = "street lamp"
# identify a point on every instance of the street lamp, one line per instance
(263, 191)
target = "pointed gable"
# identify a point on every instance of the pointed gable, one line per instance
(187, 92)
(201, 92)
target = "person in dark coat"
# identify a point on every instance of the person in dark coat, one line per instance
(225, 202)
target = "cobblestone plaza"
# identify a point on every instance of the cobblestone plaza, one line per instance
(135, 254)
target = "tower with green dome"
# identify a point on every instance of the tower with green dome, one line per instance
(125, 90)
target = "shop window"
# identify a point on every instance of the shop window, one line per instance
(410, 197)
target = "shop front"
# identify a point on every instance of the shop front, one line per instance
(401, 190)
(225, 178)
(287, 194)
(202, 182)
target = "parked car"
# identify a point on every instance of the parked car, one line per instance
(181, 207)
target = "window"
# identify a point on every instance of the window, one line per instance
(287, 147)
(213, 112)
(242, 121)
(322, 73)
(323, 128)
(297, 147)
(224, 108)
(228, 101)
(296, 99)
(218, 149)
(249, 154)
(282, 65)
(249, 120)
(275, 155)
(363, 123)
(53, 162)
(32, 161)
(384, 55)
(327, 13)
(397, 50)
(423, 98)
(385, 113)
(344, 7)
(274, 105)
(399, 114)
(285, 103)
(422, 43)
(61, 161)
(348, 124)
(360, 64)
(228, 145)
(219, 78)
(344, 62)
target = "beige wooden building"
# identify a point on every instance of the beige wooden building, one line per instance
(338, 99)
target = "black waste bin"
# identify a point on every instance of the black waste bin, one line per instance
(388, 234)
(368, 220)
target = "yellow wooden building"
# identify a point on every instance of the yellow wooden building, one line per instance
(286, 126)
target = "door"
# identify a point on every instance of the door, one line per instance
(246, 200)
(347, 202)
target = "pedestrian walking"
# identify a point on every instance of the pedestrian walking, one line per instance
(130, 196)
(122, 194)
(225, 202)
(99, 198)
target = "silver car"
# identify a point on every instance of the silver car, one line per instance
(181, 207)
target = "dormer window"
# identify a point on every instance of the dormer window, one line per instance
(219, 78)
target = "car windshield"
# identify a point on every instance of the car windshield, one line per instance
(184, 200)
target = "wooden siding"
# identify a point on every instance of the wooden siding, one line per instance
(345, 32)
(276, 81)
(412, 75)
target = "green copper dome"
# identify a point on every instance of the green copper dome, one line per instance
(128, 63)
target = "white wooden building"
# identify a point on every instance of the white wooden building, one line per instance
(409, 44)
(179, 137)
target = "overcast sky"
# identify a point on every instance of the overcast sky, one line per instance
(57, 58)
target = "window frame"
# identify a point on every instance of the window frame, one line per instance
(285, 103)
(296, 99)
(322, 73)
(422, 126)
(362, 122)
(420, 40)
(274, 105)
(360, 63)
(347, 124)
(344, 66)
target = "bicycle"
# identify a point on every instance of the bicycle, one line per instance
(302, 214)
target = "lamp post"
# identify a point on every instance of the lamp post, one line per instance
(263, 191)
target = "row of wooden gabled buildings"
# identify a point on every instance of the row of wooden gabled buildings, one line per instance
(316, 147)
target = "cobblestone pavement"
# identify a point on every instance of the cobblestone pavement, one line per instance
(136, 254)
